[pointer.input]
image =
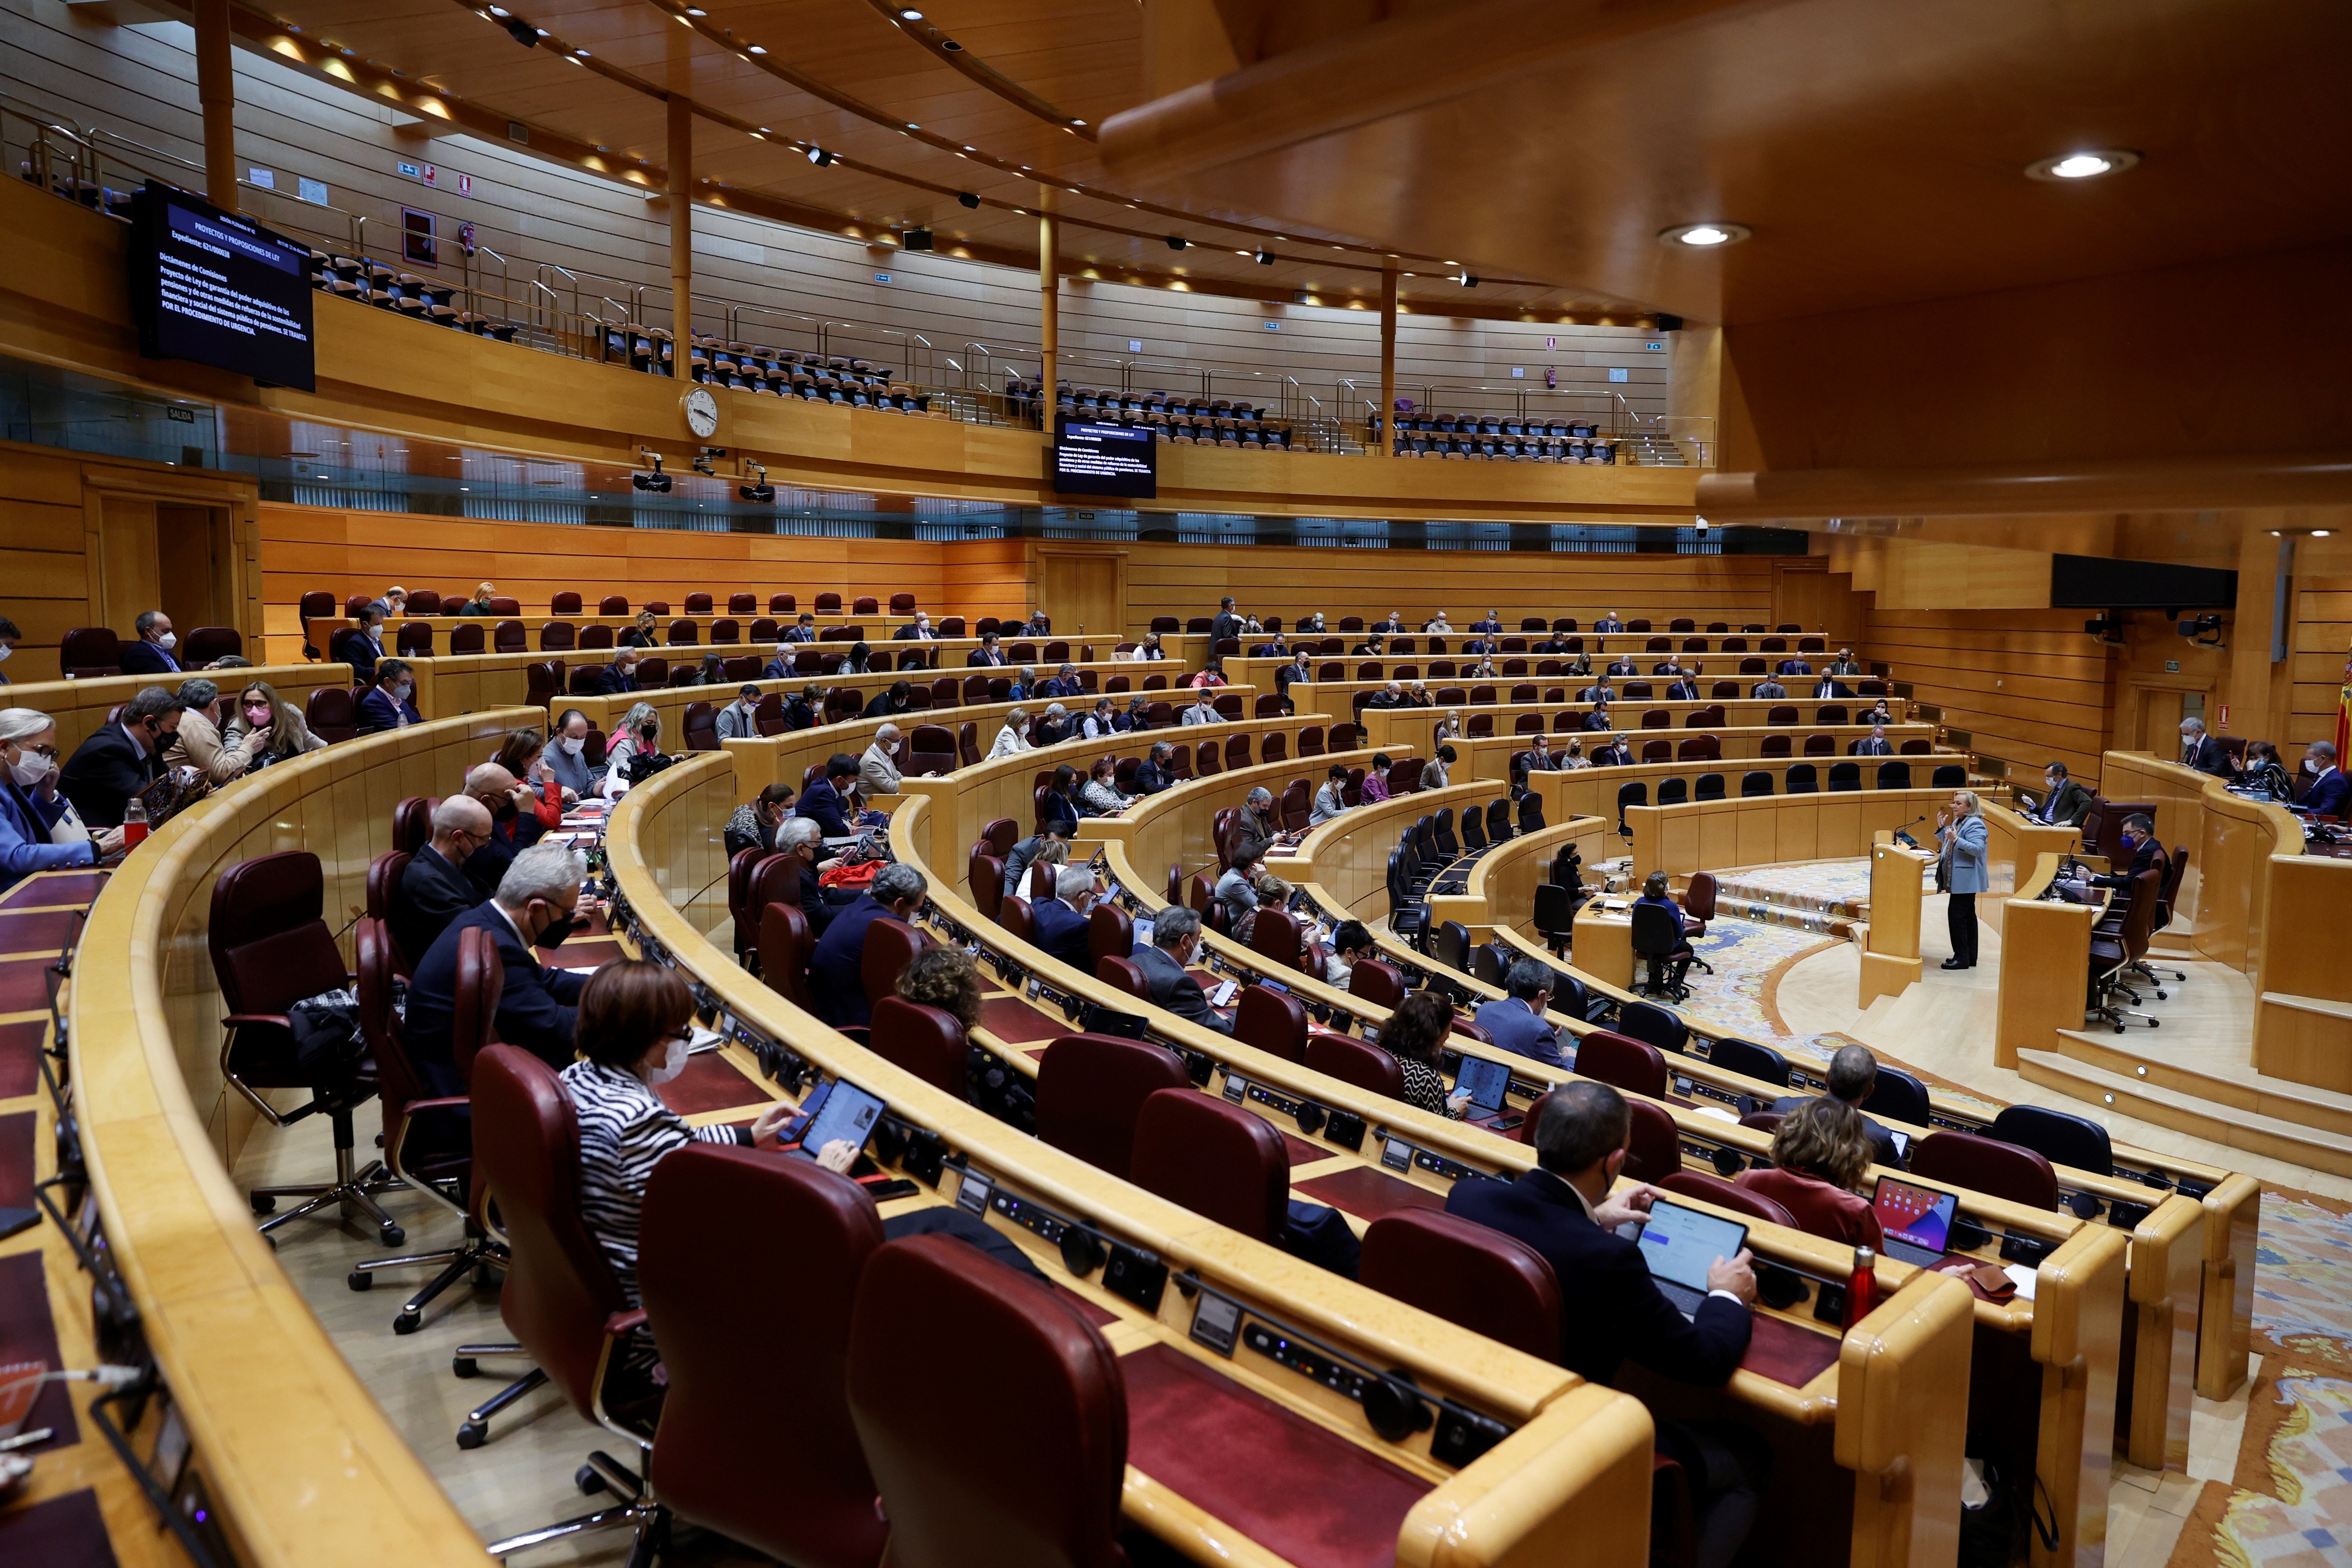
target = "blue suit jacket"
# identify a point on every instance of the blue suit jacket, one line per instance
(2327, 796)
(1964, 855)
(378, 712)
(537, 1007)
(1515, 1028)
(1610, 1309)
(144, 657)
(836, 980)
(1062, 931)
(822, 803)
(24, 847)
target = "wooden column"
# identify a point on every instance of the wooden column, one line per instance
(1388, 355)
(216, 92)
(1049, 299)
(681, 227)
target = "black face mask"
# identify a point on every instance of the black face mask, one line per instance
(503, 811)
(552, 937)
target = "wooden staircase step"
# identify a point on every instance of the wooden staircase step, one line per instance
(2144, 1100)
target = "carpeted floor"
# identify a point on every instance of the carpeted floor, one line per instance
(2289, 1503)
(1749, 959)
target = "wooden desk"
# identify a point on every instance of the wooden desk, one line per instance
(2045, 965)
(1890, 954)
(1603, 945)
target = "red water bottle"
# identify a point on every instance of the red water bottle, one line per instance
(1861, 1288)
(134, 824)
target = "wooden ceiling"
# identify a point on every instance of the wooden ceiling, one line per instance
(1876, 151)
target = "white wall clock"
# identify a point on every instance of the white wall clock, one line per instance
(701, 413)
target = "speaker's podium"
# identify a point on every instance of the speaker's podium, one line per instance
(1890, 950)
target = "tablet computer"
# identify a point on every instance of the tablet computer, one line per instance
(849, 1113)
(1489, 1083)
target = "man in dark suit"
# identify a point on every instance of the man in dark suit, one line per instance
(1517, 1020)
(364, 647)
(1854, 1073)
(1155, 773)
(1061, 920)
(390, 704)
(1599, 718)
(801, 838)
(836, 978)
(822, 802)
(1609, 622)
(916, 630)
(2145, 853)
(898, 699)
(1395, 623)
(1493, 623)
(1227, 624)
(1599, 692)
(621, 675)
(2329, 789)
(1874, 744)
(1621, 666)
(987, 654)
(2063, 800)
(432, 889)
(1844, 664)
(2203, 751)
(802, 630)
(1684, 690)
(122, 758)
(1612, 1311)
(1615, 754)
(152, 654)
(1794, 665)
(532, 911)
(514, 825)
(1175, 942)
(1289, 674)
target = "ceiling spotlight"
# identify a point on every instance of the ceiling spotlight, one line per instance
(758, 50)
(1177, 242)
(819, 156)
(1078, 122)
(911, 15)
(967, 199)
(1468, 280)
(501, 12)
(952, 46)
(1703, 236)
(1264, 256)
(2081, 165)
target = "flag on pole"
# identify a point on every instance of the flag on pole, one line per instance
(2344, 714)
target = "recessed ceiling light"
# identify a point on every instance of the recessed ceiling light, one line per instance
(1078, 122)
(2087, 165)
(499, 11)
(696, 11)
(911, 15)
(757, 49)
(1703, 236)
(912, 126)
(582, 53)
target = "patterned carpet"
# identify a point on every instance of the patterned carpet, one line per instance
(1749, 958)
(2289, 1504)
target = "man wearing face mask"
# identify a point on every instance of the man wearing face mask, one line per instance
(390, 706)
(512, 828)
(152, 654)
(197, 743)
(434, 890)
(363, 650)
(124, 758)
(1175, 942)
(835, 968)
(621, 675)
(877, 773)
(531, 913)
(567, 754)
(739, 719)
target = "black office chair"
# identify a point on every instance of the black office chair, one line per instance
(1895, 774)
(1531, 813)
(1952, 776)
(1555, 916)
(1710, 786)
(1635, 794)
(1499, 819)
(1896, 1096)
(1654, 1026)
(1804, 779)
(2061, 1138)
(1673, 792)
(1573, 997)
(1755, 782)
(1749, 1059)
(1845, 777)
(1452, 949)
(1657, 937)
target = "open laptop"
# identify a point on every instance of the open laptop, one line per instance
(1489, 1084)
(1680, 1243)
(1917, 1220)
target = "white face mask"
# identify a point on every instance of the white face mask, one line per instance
(167, 642)
(673, 1063)
(5, 649)
(29, 769)
(573, 748)
(403, 691)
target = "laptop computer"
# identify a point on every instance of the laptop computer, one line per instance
(1917, 1220)
(1489, 1084)
(1680, 1243)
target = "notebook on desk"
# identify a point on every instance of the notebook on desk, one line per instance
(1916, 1220)
(1680, 1245)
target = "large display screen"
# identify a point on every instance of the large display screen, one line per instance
(1105, 460)
(219, 290)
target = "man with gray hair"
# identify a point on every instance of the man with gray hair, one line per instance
(877, 771)
(434, 890)
(837, 969)
(1254, 828)
(1175, 942)
(804, 840)
(1516, 1019)
(532, 911)
(118, 760)
(1854, 1073)
(198, 743)
(1062, 922)
(2203, 751)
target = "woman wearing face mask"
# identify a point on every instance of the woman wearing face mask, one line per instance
(638, 736)
(30, 805)
(258, 707)
(479, 604)
(524, 754)
(1013, 737)
(566, 757)
(636, 1019)
(645, 634)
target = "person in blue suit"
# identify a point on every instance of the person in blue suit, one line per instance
(1062, 921)
(1517, 1020)
(533, 910)
(391, 703)
(152, 654)
(364, 647)
(822, 802)
(30, 805)
(837, 969)
(1612, 1311)
(2329, 789)
(1960, 828)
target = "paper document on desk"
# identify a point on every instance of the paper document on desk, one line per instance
(704, 1040)
(2022, 1278)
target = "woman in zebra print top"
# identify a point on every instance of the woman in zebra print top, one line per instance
(636, 1018)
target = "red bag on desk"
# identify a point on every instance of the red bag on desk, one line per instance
(852, 878)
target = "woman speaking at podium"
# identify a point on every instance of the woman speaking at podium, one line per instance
(1960, 828)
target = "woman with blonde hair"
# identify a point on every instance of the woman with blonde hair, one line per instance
(1960, 830)
(1448, 728)
(259, 706)
(479, 604)
(639, 735)
(1820, 1155)
(1013, 737)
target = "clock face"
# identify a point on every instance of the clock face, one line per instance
(702, 413)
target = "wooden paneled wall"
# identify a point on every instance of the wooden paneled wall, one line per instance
(2028, 685)
(2322, 646)
(140, 82)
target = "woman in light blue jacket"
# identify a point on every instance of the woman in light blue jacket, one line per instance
(1961, 829)
(30, 806)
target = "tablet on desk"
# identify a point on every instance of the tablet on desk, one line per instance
(1680, 1245)
(1488, 1082)
(1917, 1220)
(847, 1113)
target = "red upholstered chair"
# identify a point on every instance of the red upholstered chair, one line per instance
(1124, 975)
(412, 825)
(1111, 931)
(1655, 1146)
(382, 877)
(331, 714)
(1823, 1210)
(698, 604)
(700, 727)
(270, 948)
(726, 629)
(509, 637)
(415, 641)
(467, 639)
(562, 1299)
(657, 607)
(984, 875)
(1628, 1064)
(613, 605)
(480, 982)
(738, 1248)
(565, 604)
(1002, 833)
(1271, 1020)
(1274, 935)
(742, 603)
(1723, 1194)
(205, 644)
(740, 907)
(1985, 1165)
(1215, 1159)
(902, 604)
(1382, 985)
(1353, 1061)
(1091, 1089)
(784, 949)
(867, 604)
(557, 637)
(1465, 1273)
(1023, 1364)
(783, 604)
(683, 634)
(889, 944)
(926, 1041)
(1013, 914)
(442, 1172)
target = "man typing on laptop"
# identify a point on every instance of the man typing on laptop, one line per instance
(1611, 1306)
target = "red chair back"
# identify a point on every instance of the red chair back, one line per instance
(784, 948)
(270, 948)
(1382, 985)
(473, 1015)
(1274, 935)
(1090, 1093)
(1726, 1195)
(1215, 1159)
(1634, 1066)
(1272, 1021)
(1985, 1165)
(1025, 1365)
(890, 943)
(1123, 974)
(926, 1041)
(1111, 931)
(1653, 1148)
(398, 1083)
(1353, 1061)
(1457, 1269)
(412, 824)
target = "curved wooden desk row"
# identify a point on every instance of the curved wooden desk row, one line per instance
(1827, 1393)
(876, 629)
(300, 1463)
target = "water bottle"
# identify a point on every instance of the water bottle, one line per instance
(1861, 1288)
(134, 823)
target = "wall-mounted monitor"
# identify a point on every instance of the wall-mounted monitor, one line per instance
(1092, 459)
(2099, 582)
(219, 290)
